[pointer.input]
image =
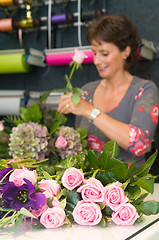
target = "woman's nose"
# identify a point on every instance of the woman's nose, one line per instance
(96, 59)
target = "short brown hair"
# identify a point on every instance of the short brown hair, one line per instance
(116, 29)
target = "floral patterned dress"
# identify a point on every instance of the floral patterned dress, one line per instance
(138, 108)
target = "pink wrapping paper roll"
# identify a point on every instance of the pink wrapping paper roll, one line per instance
(57, 59)
(6, 25)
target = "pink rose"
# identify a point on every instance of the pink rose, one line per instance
(18, 175)
(1, 126)
(114, 196)
(61, 142)
(56, 202)
(92, 190)
(79, 56)
(87, 213)
(49, 187)
(72, 178)
(53, 217)
(126, 215)
(14, 160)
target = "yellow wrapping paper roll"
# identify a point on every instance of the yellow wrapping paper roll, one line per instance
(6, 2)
(13, 63)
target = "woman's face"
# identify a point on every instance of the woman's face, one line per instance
(108, 59)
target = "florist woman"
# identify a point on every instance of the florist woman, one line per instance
(119, 106)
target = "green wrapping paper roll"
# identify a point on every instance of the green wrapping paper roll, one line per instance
(13, 63)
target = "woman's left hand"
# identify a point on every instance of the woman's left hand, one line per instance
(66, 106)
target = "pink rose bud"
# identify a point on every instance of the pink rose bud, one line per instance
(53, 217)
(87, 213)
(79, 56)
(72, 178)
(126, 215)
(49, 187)
(18, 175)
(61, 142)
(56, 202)
(38, 213)
(114, 196)
(92, 190)
(1, 126)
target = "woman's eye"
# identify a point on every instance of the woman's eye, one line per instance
(105, 54)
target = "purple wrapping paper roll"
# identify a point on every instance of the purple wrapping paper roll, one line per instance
(58, 59)
(60, 18)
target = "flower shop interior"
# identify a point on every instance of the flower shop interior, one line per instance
(37, 40)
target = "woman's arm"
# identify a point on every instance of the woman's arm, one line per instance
(133, 136)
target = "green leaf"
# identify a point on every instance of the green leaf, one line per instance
(83, 132)
(68, 222)
(25, 212)
(111, 148)
(76, 93)
(145, 168)
(105, 177)
(103, 223)
(73, 197)
(63, 203)
(148, 207)
(49, 202)
(140, 199)
(70, 206)
(46, 175)
(55, 126)
(116, 168)
(31, 114)
(44, 96)
(146, 183)
(92, 159)
(133, 191)
(132, 169)
(18, 221)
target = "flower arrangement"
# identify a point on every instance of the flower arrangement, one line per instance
(74, 184)
(86, 189)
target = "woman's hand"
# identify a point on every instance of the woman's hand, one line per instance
(66, 106)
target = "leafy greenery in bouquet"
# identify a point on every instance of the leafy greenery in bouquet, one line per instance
(30, 138)
(87, 189)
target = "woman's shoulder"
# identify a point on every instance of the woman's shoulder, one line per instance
(143, 83)
(90, 86)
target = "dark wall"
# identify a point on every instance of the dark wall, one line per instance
(144, 13)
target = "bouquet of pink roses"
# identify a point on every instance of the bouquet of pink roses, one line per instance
(87, 189)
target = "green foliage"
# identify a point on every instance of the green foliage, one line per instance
(76, 93)
(31, 114)
(137, 182)
(148, 207)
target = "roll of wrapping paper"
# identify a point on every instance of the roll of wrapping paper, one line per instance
(6, 25)
(13, 63)
(57, 59)
(4, 3)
